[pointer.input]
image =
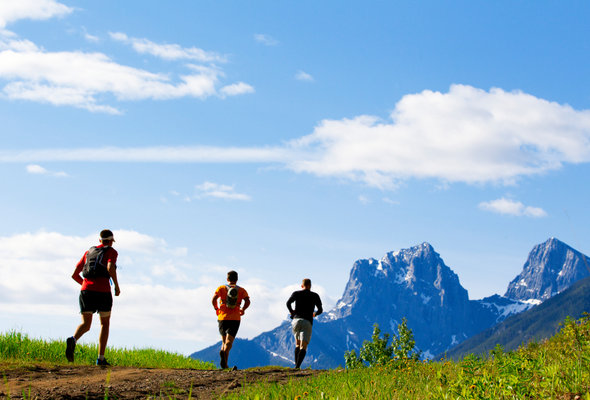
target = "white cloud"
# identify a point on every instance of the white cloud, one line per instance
(266, 40)
(19, 45)
(200, 154)
(36, 169)
(165, 299)
(390, 201)
(512, 207)
(466, 135)
(236, 89)
(167, 51)
(89, 37)
(82, 79)
(39, 170)
(215, 190)
(93, 80)
(303, 76)
(364, 200)
(14, 10)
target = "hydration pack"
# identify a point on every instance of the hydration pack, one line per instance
(231, 300)
(95, 267)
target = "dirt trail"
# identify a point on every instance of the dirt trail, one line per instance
(90, 382)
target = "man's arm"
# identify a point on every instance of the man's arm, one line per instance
(289, 302)
(246, 305)
(318, 304)
(214, 302)
(112, 268)
(76, 275)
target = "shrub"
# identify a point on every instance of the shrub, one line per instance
(379, 352)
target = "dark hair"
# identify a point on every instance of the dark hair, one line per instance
(106, 233)
(306, 282)
(232, 276)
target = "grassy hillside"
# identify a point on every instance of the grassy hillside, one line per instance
(17, 347)
(558, 368)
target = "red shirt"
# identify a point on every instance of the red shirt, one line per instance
(98, 284)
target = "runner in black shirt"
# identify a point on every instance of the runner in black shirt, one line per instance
(306, 302)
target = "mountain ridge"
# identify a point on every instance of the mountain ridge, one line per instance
(535, 324)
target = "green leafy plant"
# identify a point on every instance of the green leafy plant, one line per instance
(379, 352)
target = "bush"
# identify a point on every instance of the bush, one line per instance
(379, 352)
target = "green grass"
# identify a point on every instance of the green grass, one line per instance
(558, 368)
(18, 348)
(555, 369)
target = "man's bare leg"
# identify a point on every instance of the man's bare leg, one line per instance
(80, 330)
(226, 345)
(84, 326)
(105, 323)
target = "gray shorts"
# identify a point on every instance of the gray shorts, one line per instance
(301, 329)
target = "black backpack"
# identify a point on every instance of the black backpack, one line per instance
(95, 267)
(231, 300)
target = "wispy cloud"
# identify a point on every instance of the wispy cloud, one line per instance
(511, 207)
(78, 79)
(466, 135)
(390, 201)
(89, 37)
(14, 10)
(364, 200)
(167, 51)
(236, 89)
(219, 191)
(266, 40)
(303, 76)
(39, 170)
(184, 154)
(93, 81)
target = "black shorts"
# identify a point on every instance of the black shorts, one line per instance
(228, 327)
(91, 301)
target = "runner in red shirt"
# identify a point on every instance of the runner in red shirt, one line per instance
(95, 293)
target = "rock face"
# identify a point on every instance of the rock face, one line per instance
(551, 268)
(412, 283)
(415, 284)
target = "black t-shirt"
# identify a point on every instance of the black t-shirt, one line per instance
(305, 303)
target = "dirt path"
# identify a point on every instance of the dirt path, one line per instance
(90, 382)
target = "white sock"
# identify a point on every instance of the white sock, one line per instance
(101, 357)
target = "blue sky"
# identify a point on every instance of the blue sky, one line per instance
(282, 139)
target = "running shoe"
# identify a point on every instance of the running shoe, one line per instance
(103, 362)
(70, 347)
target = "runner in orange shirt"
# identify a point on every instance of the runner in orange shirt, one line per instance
(226, 302)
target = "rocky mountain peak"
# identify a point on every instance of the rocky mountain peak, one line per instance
(417, 272)
(551, 267)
